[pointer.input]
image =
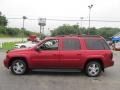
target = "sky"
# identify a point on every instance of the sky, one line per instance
(60, 9)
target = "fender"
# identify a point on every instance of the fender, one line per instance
(92, 57)
(20, 55)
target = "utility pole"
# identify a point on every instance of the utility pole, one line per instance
(90, 7)
(41, 23)
(24, 17)
(0, 13)
(40, 27)
(81, 18)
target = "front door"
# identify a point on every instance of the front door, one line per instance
(48, 56)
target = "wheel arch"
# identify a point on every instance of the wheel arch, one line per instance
(99, 60)
(22, 46)
(21, 58)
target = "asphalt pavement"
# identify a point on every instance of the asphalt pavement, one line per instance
(44, 80)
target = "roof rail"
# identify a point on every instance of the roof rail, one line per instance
(89, 35)
(78, 35)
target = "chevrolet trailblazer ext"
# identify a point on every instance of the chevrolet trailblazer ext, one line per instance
(88, 53)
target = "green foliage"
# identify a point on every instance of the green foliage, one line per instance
(14, 32)
(3, 21)
(106, 32)
(66, 30)
(8, 45)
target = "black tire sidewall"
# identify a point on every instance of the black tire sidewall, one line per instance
(93, 62)
(15, 61)
(22, 46)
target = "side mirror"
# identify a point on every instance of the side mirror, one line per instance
(37, 49)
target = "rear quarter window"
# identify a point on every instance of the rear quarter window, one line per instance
(96, 44)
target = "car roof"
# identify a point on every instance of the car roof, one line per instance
(74, 36)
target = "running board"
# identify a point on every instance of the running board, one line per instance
(57, 70)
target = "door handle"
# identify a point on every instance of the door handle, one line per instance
(55, 54)
(79, 54)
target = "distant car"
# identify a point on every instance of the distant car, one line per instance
(28, 44)
(116, 46)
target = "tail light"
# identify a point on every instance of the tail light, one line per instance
(111, 56)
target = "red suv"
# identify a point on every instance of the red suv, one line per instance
(88, 53)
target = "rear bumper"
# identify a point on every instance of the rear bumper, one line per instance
(109, 64)
(112, 63)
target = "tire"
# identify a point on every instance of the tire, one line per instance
(22, 46)
(93, 69)
(18, 67)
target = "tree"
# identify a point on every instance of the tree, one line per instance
(3, 20)
(66, 30)
(92, 31)
(106, 32)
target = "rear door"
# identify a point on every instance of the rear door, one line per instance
(70, 53)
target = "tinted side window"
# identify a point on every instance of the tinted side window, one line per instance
(49, 45)
(71, 44)
(96, 44)
(106, 46)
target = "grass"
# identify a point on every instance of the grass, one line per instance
(8, 45)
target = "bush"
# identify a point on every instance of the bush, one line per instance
(14, 32)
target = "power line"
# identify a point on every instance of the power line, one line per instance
(71, 20)
(84, 20)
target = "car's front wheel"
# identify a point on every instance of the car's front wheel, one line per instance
(18, 67)
(22, 46)
(93, 69)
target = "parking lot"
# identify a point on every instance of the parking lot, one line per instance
(109, 80)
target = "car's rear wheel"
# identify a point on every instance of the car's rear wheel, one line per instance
(93, 69)
(18, 67)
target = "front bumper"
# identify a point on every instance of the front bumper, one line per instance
(6, 63)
